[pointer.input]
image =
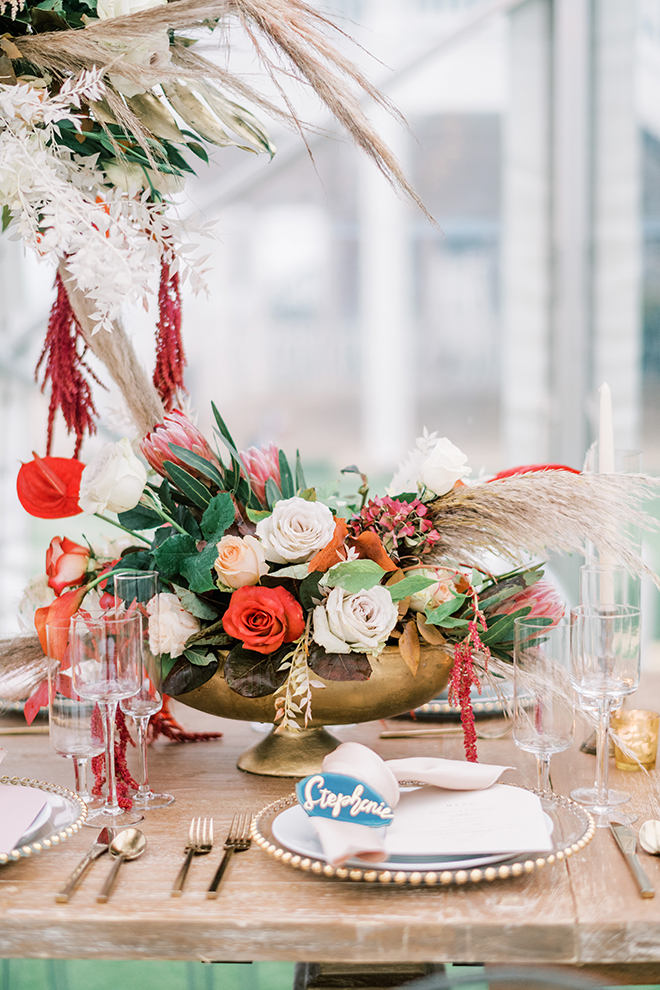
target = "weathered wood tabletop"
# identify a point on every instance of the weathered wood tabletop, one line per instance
(585, 910)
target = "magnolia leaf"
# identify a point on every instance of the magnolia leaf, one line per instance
(255, 675)
(200, 609)
(239, 120)
(171, 554)
(339, 666)
(410, 585)
(218, 517)
(409, 646)
(155, 116)
(354, 575)
(431, 634)
(308, 592)
(185, 676)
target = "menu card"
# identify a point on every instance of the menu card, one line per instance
(501, 819)
(19, 807)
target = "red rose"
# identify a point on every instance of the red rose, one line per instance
(66, 563)
(264, 618)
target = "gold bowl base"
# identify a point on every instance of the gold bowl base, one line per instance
(287, 753)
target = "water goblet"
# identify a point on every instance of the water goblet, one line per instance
(605, 641)
(543, 718)
(75, 732)
(105, 654)
(608, 584)
(140, 589)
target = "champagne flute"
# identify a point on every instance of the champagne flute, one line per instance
(141, 588)
(74, 731)
(105, 662)
(543, 719)
(605, 643)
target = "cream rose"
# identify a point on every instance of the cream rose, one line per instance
(169, 625)
(119, 8)
(113, 480)
(295, 530)
(240, 561)
(359, 623)
(443, 466)
(436, 593)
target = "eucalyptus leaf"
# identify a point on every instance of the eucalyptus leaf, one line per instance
(201, 659)
(410, 585)
(354, 575)
(296, 571)
(437, 616)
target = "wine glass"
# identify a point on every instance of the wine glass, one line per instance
(105, 660)
(141, 589)
(75, 731)
(608, 584)
(542, 692)
(605, 641)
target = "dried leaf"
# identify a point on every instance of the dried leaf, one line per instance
(428, 632)
(403, 606)
(409, 646)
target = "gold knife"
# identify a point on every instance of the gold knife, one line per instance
(627, 843)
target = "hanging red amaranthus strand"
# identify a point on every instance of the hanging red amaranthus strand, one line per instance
(163, 723)
(123, 777)
(170, 359)
(69, 389)
(464, 678)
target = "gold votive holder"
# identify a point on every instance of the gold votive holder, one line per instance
(639, 731)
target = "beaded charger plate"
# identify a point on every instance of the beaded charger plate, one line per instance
(63, 816)
(572, 829)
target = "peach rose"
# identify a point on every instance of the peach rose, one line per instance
(240, 561)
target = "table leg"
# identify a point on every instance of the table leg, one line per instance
(360, 976)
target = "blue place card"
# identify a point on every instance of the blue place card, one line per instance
(347, 799)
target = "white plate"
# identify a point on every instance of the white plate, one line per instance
(61, 817)
(293, 829)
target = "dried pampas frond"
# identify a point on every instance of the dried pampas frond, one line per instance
(22, 667)
(545, 511)
(292, 29)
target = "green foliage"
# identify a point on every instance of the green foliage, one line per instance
(438, 616)
(201, 464)
(171, 555)
(193, 489)
(196, 606)
(308, 592)
(199, 657)
(301, 484)
(286, 478)
(273, 493)
(410, 585)
(355, 575)
(256, 515)
(139, 518)
(218, 517)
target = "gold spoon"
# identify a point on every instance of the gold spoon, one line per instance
(128, 844)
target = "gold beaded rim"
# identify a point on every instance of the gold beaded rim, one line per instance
(59, 835)
(415, 876)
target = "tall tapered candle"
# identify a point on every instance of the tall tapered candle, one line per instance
(606, 432)
(606, 466)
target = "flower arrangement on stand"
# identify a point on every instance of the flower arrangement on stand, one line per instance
(288, 586)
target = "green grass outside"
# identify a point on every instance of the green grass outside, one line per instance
(99, 974)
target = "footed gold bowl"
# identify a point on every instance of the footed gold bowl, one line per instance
(391, 690)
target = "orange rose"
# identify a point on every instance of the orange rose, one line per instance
(66, 563)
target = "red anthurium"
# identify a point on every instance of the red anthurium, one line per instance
(57, 615)
(38, 699)
(527, 468)
(66, 563)
(48, 487)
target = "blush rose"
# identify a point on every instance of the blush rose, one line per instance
(66, 563)
(264, 618)
(240, 561)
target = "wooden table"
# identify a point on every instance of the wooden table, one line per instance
(584, 911)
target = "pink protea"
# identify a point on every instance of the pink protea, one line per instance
(175, 428)
(543, 598)
(260, 465)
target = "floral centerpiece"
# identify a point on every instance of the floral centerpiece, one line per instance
(288, 585)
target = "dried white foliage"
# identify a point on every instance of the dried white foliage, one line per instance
(296, 702)
(14, 5)
(112, 240)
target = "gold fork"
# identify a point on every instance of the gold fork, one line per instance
(238, 840)
(200, 842)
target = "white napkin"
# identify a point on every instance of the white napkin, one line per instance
(19, 807)
(347, 840)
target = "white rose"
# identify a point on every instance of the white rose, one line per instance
(169, 625)
(37, 594)
(296, 530)
(436, 593)
(113, 480)
(240, 561)
(443, 466)
(360, 623)
(119, 8)
(434, 464)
